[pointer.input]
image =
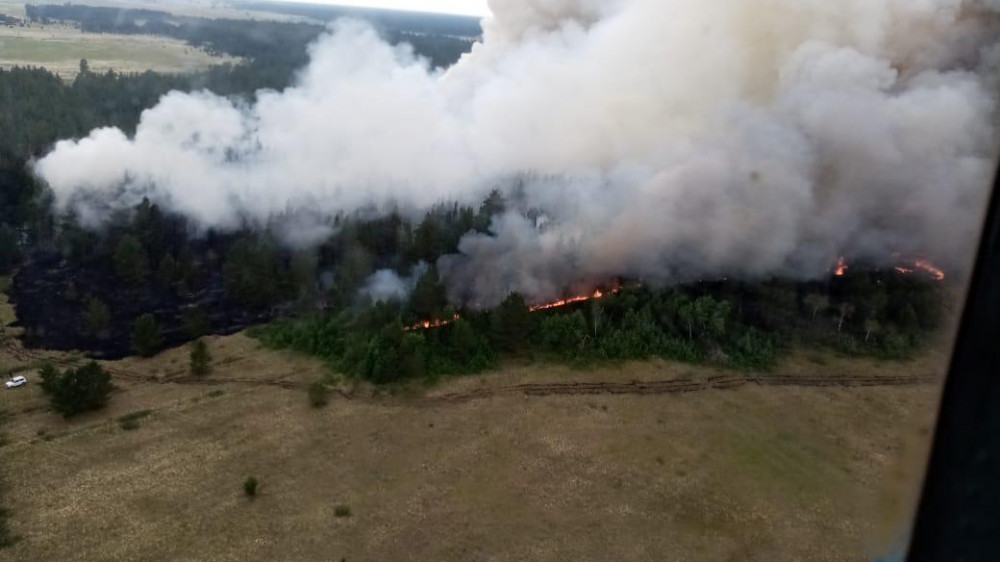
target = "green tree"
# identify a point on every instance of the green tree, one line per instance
(510, 324)
(565, 334)
(146, 339)
(96, 317)
(200, 359)
(251, 273)
(412, 356)
(303, 274)
(428, 299)
(687, 314)
(131, 262)
(711, 316)
(166, 272)
(494, 205)
(76, 390)
(467, 347)
(428, 239)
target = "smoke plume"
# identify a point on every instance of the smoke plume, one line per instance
(668, 140)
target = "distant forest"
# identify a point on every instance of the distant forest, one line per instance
(151, 272)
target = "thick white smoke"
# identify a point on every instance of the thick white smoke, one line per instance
(677, 139)
(385, 285)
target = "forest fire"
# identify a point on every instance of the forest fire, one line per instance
(564, 302)
(904, 266)
(841, 268)
(430, 324)
(921, 265)
(597, 294)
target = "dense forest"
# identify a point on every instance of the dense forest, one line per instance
(151, 279)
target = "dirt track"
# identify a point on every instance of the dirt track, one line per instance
(656, 387)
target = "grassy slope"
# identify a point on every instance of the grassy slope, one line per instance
(747, 474)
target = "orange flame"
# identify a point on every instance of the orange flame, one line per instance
(428, 324)
(929, 268)
(841, 267)
(571, 300)
(922, 265)
(597, 294)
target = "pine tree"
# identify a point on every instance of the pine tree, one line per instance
(200, 359)
(146, 339)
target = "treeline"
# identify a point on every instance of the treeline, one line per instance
(728, 323)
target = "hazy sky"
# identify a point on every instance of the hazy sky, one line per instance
(468, 7)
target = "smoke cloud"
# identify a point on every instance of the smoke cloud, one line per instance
(385, 285)
(667, 140)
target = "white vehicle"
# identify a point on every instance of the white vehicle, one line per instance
(16, 381)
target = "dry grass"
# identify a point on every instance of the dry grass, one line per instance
(754, 473)
(217, 9)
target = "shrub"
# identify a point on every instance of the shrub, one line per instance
(565, 334)
(753, 351)
(130, 261)
(341, 511)
(250, 486)
(128, 422)
(200, 358)
(317, 394)
(76, 390)
(7, 537)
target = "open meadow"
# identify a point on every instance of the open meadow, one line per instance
(59, 48)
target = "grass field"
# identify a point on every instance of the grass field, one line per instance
(751, 473)
(60, 48)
